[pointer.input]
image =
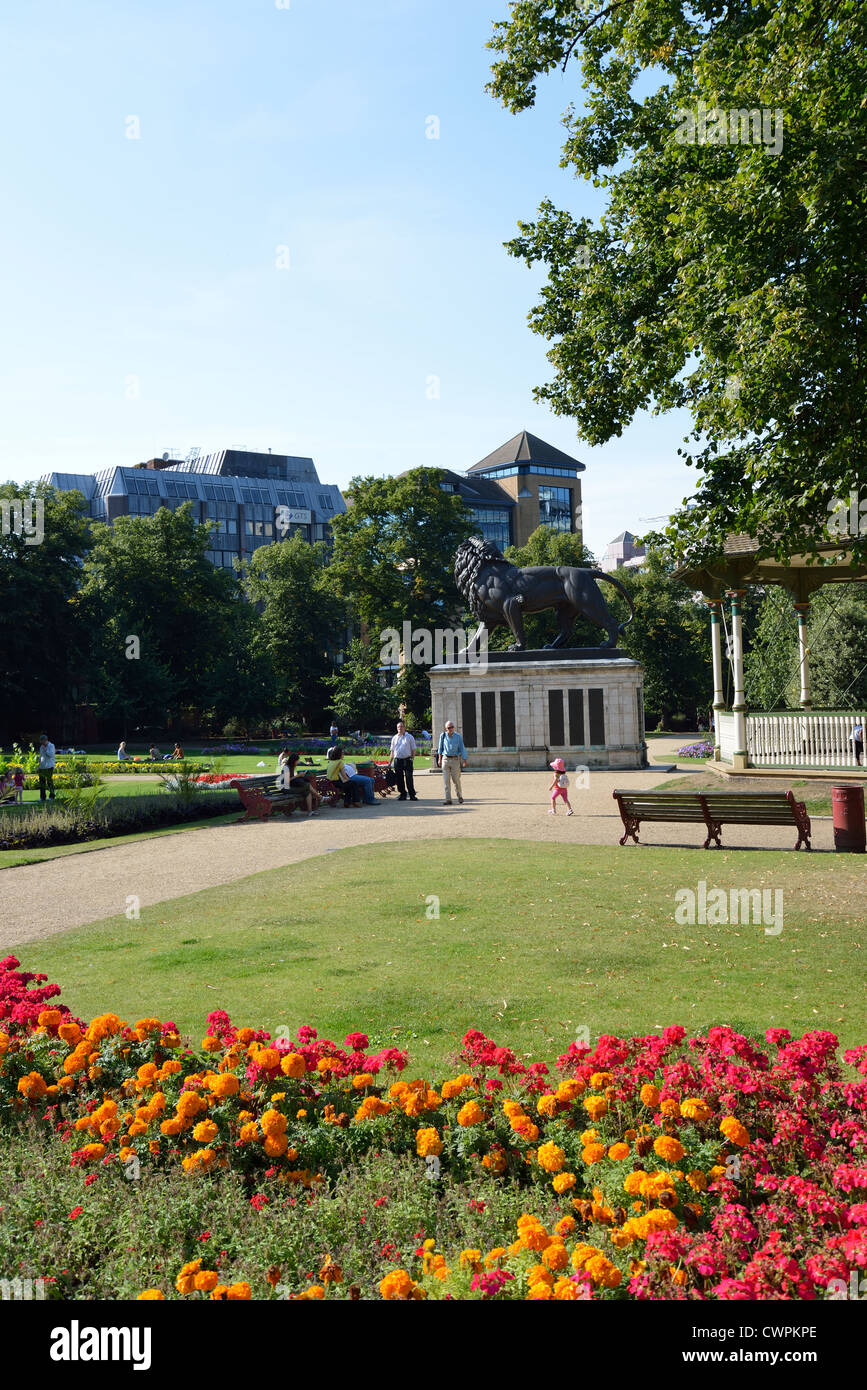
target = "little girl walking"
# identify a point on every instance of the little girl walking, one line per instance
(558, 786)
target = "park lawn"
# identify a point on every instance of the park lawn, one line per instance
(533, 944)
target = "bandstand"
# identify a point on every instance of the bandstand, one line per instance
(815, 742)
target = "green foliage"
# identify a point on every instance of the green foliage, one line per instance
(149, 578)
(357, 698)
(299, 626)
(837, 641)
(394, 550)
(44, 635)
(726, 279)
(670, 637)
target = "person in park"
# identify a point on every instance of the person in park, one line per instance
(451, 757)
(857, 741)
(332, 732)
(351, 784)
(122, 754)
(154, 753)
(288, 780)
(18, 783)
(400, 757)
(559, 787)
(46, 768)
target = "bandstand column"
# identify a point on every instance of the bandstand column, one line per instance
(715, 606)
(739, 707)
(802, 610)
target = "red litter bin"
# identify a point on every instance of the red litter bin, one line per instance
(850, 831)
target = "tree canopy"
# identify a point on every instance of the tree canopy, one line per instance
(725, 277)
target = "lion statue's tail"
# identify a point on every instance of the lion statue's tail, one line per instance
(600, 574)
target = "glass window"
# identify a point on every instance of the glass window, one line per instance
(248, 528)
(555, 508)
(233, 526)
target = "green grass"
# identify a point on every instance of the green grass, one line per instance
(533, 942)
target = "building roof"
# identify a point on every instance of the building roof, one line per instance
(527, 448)
(479, 489)
(624, 536)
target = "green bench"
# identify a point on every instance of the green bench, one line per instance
(713, 810)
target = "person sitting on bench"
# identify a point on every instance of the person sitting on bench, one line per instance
(287, 781)
(353, 787)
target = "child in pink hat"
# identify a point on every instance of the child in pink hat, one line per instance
(558, 786)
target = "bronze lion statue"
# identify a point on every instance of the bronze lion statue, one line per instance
(498, 594)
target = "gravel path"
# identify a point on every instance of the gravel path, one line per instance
(39, 900)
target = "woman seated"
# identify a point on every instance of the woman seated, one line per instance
(288, 780)
(177, 754)
(351, 785)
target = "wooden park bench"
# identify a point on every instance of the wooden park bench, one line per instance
(261, 797)
(713, 809)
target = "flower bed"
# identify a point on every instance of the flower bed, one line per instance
(143, 765)
(678, 1168)
(703, 749)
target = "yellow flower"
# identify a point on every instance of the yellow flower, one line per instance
(563, 1182)
(694, 1108)
(397, 1285)
(273, 1122)
(362, 1080)
(592, 1153)
(618, 1151)
(734, 1131)
(470, 1114)
(697, 1180)
(555, 1256)
(649, 1096)
(671, 1108)
(427, 1141)
(596, 1106)
(206, 1280)
(150, 1295)
(205, 1131)
(668, 1148)
(551, 1158)
(568, 1091)
(547, 1106)
(293, 1064)
(588, 1136)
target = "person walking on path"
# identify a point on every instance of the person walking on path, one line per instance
(18, 783)
(46, 768)
(558, 787)
(332, 732)
(401, 756)
(452, 756)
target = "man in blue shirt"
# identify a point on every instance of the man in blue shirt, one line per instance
(452, 756)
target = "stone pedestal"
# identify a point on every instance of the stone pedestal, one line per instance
(521, 710)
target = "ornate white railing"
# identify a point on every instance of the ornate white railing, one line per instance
(802, 739)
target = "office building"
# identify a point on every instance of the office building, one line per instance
(239, 491)
(524, 484)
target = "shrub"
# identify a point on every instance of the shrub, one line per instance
(56, 823)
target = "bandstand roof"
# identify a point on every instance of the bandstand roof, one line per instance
(744, 563)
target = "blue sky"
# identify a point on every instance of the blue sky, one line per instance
(145, 308)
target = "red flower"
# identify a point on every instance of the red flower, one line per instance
(76, 1211)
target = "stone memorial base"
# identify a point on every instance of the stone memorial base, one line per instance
(521, 710)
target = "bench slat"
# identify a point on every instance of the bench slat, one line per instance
(714, 808)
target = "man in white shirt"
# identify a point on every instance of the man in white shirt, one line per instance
(46, 768)
(402, 754)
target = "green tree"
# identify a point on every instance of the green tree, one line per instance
(44, 634)
(302, 623)
(393, 562)
(837, 634)
(670, 637)
(357, 698)
(164, 615)
(726, 278)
